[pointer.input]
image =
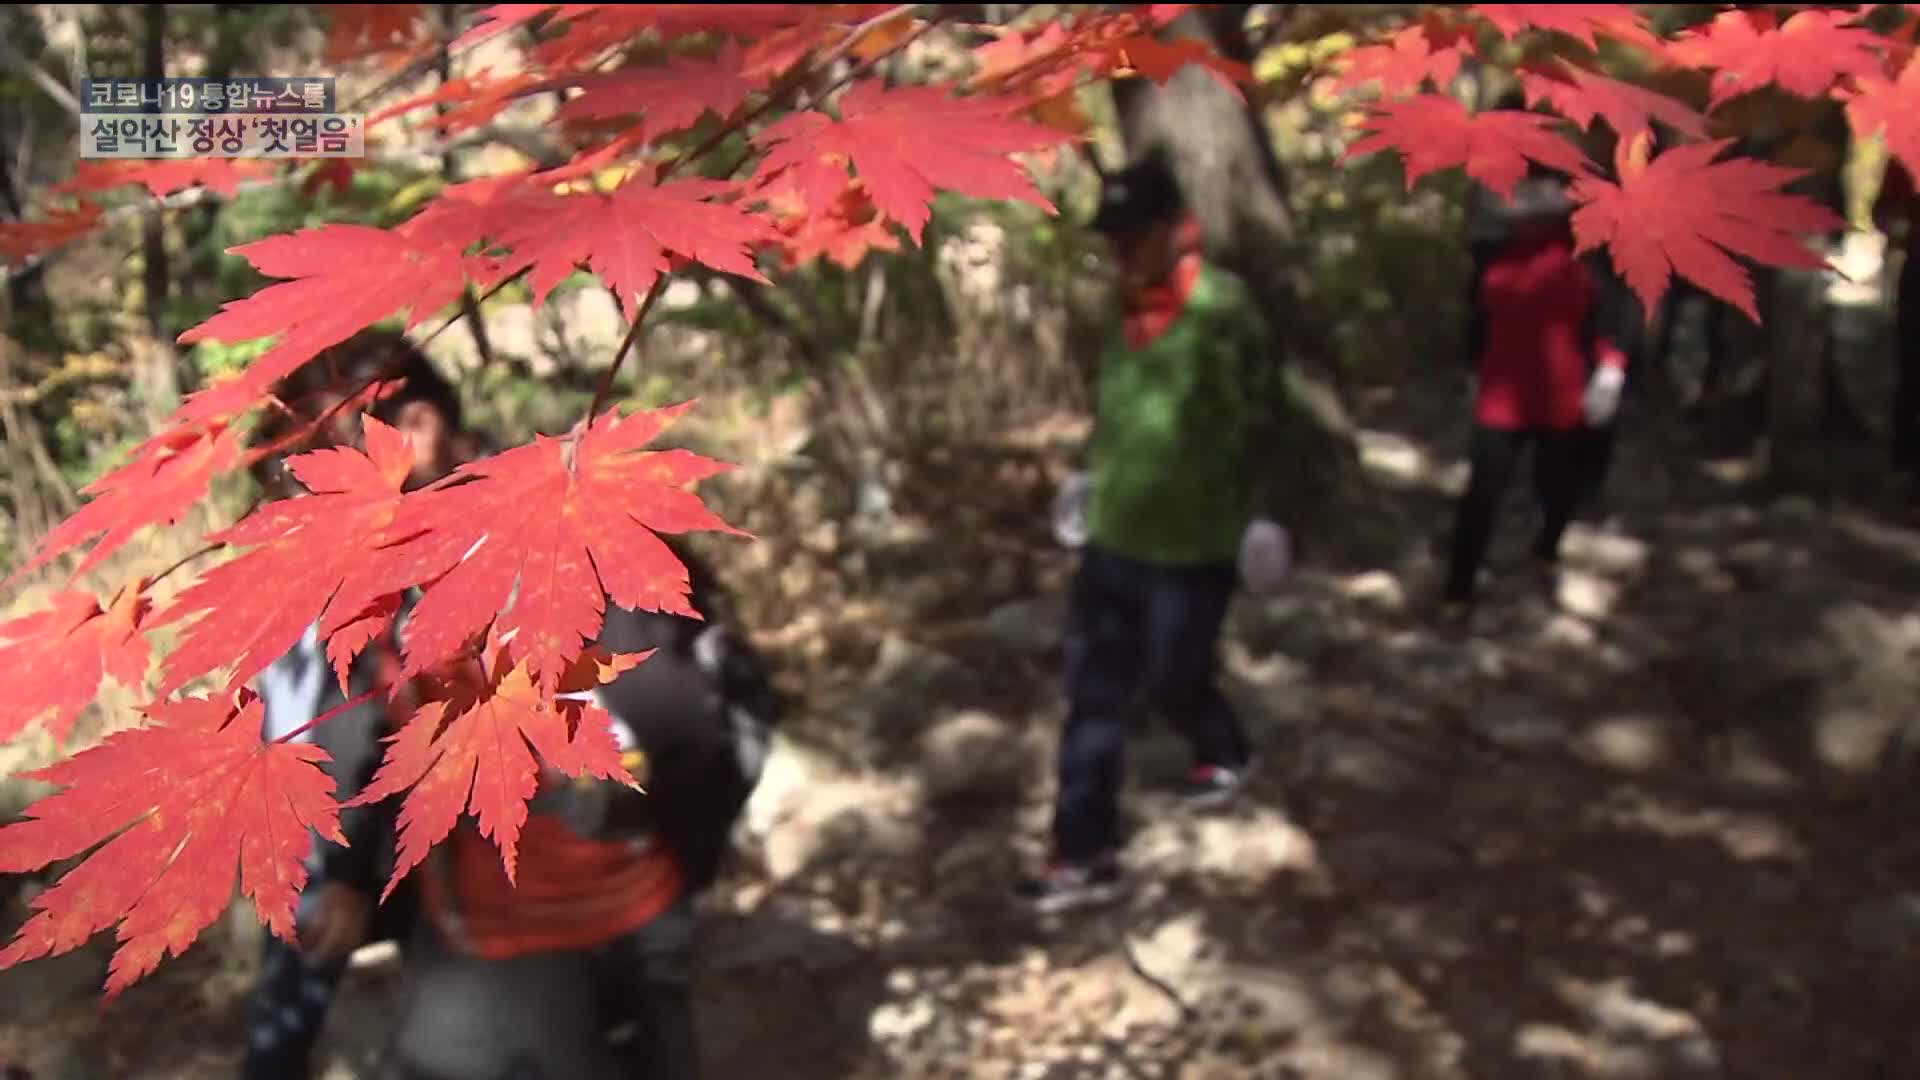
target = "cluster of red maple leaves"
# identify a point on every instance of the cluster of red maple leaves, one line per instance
(838, 164)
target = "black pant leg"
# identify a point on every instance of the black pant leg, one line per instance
(1563, 464)
(1491, 454)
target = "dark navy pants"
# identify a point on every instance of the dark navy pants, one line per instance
(1134, 626)
(290, 1002)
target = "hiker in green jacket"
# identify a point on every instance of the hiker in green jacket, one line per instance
(1180, 491)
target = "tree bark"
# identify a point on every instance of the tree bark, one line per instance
(1237, 189)
(155, 371)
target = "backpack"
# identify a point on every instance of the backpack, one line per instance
(701, 709)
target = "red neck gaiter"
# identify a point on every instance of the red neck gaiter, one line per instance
(1152, 310)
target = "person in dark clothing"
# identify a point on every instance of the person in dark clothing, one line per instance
(337, 913)
(697, 712)
(1182, 481)
(1895, 211)
(1549, 337)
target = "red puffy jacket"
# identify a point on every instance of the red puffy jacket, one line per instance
(1542, 321)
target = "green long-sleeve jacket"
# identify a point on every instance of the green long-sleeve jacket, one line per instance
(1179, 451)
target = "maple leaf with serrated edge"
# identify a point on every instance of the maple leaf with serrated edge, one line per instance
(474, 750)
(844, 231)
(1578, 21)
(344, 278)
(1161, 60)
(1747, 50)
(477, 98)
(615, 23)
(1683, 212)
(1043, 60)
(362, 30)
(1433, 132)
(669, 98)
(182, 804)
(1401, 65)
(53, 660)
(1889, 108)
(167, 476)
(627, 236)
(321, 551)
(164, 177)
(906, 143)
(1583, 96)
(555, 537)
(24, 240)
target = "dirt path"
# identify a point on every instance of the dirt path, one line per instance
(1647, 829)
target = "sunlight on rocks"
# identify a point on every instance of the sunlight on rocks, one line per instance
(1396, 460)
(1375, 587)
(1569, 631)
(1251, 848)
(1611, 553)
(1865, 706)
(1747, 837)
(1632, 743)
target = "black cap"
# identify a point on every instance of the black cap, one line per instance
(1142, 194)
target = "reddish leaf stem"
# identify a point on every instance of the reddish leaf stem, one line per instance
(331, 713)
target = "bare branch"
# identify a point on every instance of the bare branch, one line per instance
(53, 87)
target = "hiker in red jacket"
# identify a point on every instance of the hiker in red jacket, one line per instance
(1549, 339)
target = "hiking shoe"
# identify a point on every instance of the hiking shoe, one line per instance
(1209, 787)
(1065, 886)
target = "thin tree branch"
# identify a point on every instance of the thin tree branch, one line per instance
(49, 85)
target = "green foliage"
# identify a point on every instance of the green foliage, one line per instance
(216, 358)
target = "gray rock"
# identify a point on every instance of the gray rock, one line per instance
(1886, 926)
(1027, 627)
(970, 752)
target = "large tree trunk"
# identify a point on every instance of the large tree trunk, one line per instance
(1236, 186)
(156, 375)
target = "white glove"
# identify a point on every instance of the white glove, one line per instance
(1603, 394)
(1266, 554)
(1070, 510)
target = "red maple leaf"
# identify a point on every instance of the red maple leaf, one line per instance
(360, 30)
(344, 278)
(544, 531)
(498, 19)
(477, 98)
(628, 236)
(1583, 96)
(1887, 107)
(1160, 61)
(1683, 212)
(473, 750)
(1578, 21)
(845, 231)
(1402, 65)
(1434, 132)
(54, 659)
(167, 475)
(670, 98)
(907, 142)
(1044, 60)
(588, 31)
(1747, 50)
(24, 240)
(163, 178)
(182, 804)
(335, 174)
(320, 551)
